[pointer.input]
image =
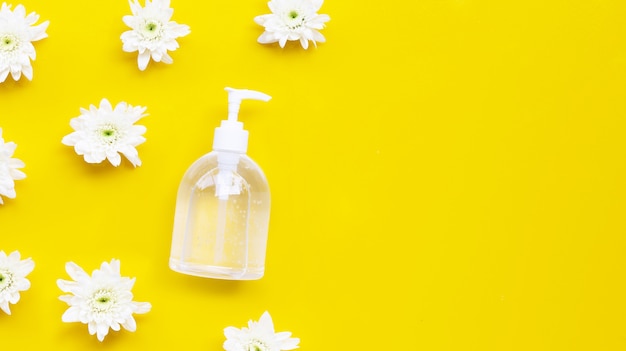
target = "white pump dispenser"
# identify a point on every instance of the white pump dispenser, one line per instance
(222, 207)
(231, 140)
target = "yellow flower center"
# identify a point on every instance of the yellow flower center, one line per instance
(6, 279)
(102, 300)
(256, 345)
(152, 30)
(8, 42)
(294, 19)
(108, 134)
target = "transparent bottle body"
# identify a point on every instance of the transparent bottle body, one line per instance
(221, 237)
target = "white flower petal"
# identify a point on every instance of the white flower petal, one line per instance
(106, 105)
(16, 72)
(114, 158)
(130, 324)
(65, 298)
(290, 344)
(232, 345)
(4, 73)
(304, 42)
(261, 19)
(92, 327)
(71, 315)
(39, 32)
(283, 336)
(20, 11)
(266, 38)
(14, 297)
(143, 59)
(4, 305)
(266, 323)
(22, 285)
(75, 272)
(15, 163)
(142, 307)
(26, 266)
(14, 256)
(231, 332)
(131, 154)
(282, 41)
(165, 58)
(102, 330)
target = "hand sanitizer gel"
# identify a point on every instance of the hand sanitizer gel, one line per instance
(223, 206)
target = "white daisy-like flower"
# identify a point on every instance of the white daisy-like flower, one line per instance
(292, 20)
(259, 336)
(152, 33)
(105, 132)
(9, 171)
(103, 300)
(16, 36)
(13, 272)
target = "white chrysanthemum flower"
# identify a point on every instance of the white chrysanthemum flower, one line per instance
(16, 36)
(259, 336)
(13, 272)
(292, 20)
(9, 171)
(152, 34)
(104, 132)
(103, 300)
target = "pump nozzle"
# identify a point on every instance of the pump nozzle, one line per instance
(236, 95)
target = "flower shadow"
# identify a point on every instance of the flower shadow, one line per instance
(94, 170)
(9, 84)
(76, 336)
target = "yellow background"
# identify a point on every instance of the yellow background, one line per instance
(445, 175)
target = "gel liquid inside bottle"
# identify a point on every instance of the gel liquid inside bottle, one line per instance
(223, 206)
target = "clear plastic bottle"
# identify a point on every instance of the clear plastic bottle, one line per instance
(223, 206)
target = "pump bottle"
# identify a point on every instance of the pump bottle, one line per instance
(223, 206)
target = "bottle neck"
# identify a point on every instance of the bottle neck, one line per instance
(228, 160)
(227, 166)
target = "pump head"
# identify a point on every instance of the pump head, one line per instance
(236, 95)
(230, 135)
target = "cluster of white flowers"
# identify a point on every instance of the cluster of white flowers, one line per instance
(152, 32)
(106, 132)
(16, 36)
(104, 301)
